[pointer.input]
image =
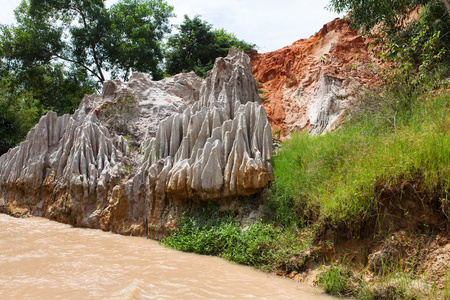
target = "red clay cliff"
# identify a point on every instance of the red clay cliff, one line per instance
(307, 86)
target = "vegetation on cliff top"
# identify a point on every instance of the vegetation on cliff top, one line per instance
(196, 46)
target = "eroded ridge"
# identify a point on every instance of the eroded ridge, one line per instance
(126, 160)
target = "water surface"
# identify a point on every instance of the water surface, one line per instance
(41, 259)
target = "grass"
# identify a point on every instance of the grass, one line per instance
(340, 175)
(259, 244)
(336, 280)
(394, 281)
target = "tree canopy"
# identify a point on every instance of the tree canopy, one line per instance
(197, 45)
(60, 50)
(422, 42)
(136, 34)
(123, 38)
(366, 14)
(392, 14)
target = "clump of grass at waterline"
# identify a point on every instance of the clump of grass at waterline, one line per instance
(395, 281)
(259, 244)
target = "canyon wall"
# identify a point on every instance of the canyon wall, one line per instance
(129, 160)
(308, 85)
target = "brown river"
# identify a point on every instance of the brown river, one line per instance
(41, 259)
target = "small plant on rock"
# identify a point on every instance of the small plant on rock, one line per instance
(119, 113)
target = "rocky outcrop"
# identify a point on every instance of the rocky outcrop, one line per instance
(308, 85)
(129, 159)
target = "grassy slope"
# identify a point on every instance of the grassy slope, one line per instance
(363, 181)
(341, 174)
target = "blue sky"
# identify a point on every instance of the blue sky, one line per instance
(270, 24)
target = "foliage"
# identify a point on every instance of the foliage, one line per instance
(417, 41)
(53, 86)
(425, 44)
(18, 113)
(28, 95)
(225, 40)
(280, 209)
(191, 47)
(120, 39)
(86, 35)
(259, 244)
(197, 45)
(367, 14)
(394, 283)
(136, 34)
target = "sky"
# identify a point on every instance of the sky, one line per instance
(270, 24)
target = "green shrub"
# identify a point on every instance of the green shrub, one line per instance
(259, 244)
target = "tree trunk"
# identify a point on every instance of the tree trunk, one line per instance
(447, 5)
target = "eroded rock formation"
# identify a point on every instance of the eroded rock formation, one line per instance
(311, 83)
(128, 159)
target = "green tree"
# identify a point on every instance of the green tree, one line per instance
(196, 46)
(134, 42)
(391, 14)
(18, 113)
(192, 47)
(54, 86)
(26, 96)
(422, 44)
(126, 37)
(225, 40)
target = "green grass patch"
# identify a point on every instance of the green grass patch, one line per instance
(393, 283)
(339, 175)
(258, 244)
(337, 280)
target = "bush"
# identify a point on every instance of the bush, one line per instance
(259, 244)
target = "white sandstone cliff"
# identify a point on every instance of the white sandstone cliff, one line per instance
(128, 160)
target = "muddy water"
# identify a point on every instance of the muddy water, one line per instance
(40, 259)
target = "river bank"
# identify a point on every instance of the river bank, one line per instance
(361, 211)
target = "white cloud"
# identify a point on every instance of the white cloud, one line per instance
(269, 24)
(7, 11)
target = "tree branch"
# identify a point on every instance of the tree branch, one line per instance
(81, 65)
(97, 63)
